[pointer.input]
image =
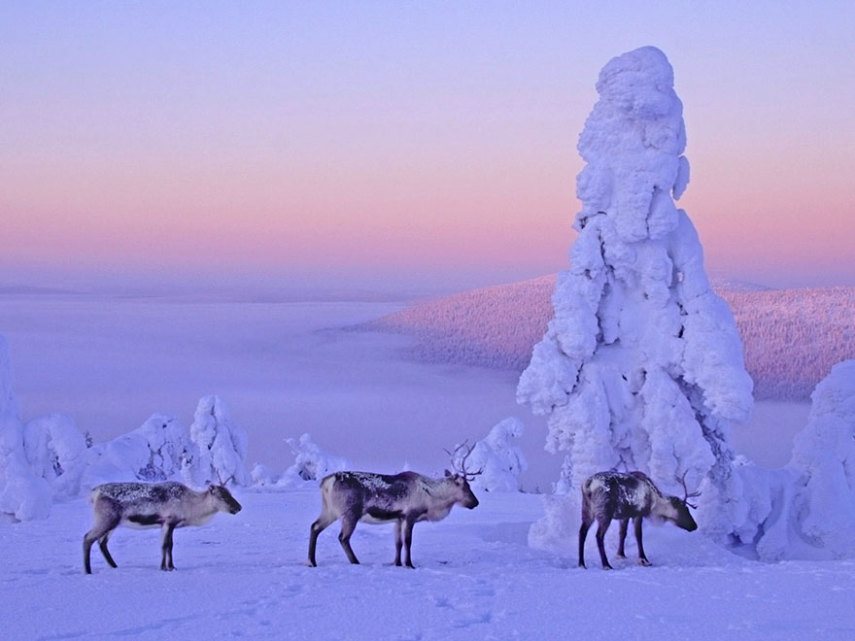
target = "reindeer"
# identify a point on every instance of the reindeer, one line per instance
(168, 505)
(625, 496)
(404, 499)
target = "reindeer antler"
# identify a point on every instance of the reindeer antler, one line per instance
(231, 477)
(461, 469)
(686, 494)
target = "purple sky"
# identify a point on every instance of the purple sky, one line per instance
(390, 144)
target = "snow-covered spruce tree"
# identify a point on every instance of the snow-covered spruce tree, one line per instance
(818, 521)
(222, 444)
(157, 450)
(311, 463)
(23, 495)
(642, 366)
(500, 461)
(56, 451)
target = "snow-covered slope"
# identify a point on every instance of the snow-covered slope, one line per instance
(791, 337)
(244, 576)
(493, 326)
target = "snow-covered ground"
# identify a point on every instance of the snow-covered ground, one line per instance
(244, 576)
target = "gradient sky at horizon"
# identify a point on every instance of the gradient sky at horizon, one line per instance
(402, 142)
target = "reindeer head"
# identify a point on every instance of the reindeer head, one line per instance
(460, 477)
(681, 506)
(224, 499)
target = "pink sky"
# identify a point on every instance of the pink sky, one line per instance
(394, 138)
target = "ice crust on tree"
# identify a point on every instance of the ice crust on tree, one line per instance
(499, 460)
(642, 365)
(221, 444)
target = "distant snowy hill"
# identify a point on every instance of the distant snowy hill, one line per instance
(791, 337)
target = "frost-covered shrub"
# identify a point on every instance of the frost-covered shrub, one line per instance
(23, 495)
(221, 444)
(262, 476)
(56, 450)
(311, 463)
(158, 450)
(500, 461)
(642, 365)
(557, 530)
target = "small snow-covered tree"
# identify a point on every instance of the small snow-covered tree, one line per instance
(823, 504)
(56, 451)
(158, 450)
(222, 444)
(262, 475)
(500, 461)
(311, 463)
(642, 366)
(23, 495)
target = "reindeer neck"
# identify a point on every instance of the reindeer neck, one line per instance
(442, 489)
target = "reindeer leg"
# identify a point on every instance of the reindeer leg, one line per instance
(348, 524)
(166, 547)
(624, 525)
(583, 534)
(323, 521)
(642, 558)
(88, 540)
(601, 543)
(102, 543)
(408, 540)
(399, 541)
(106, 520)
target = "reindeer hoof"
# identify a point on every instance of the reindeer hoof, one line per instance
(644, 562)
